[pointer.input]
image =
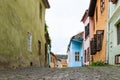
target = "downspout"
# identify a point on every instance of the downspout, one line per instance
(107, 42)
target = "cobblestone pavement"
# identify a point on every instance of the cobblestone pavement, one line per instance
(83, 73)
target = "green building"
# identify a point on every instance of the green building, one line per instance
(22, 33)
(113, 44)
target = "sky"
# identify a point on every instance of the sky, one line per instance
(64, 21)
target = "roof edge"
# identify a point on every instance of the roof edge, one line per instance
(86, 12)
(46, 3)
(92, 8)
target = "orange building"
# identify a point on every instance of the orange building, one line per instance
(64, 63)
(98, 11)
(53, 60)
(63, 60)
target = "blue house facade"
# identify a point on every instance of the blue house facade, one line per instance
(75, 51)
(49, 55)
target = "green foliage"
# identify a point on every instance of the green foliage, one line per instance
(48, 39)
(98, 63)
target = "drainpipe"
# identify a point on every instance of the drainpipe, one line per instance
(107, 43)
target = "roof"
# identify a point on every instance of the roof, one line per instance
(79, 35)
(62, 56)
(46, 3)
(85, 16)
(53, 54)
(92, 8)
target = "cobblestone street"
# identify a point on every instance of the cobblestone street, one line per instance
(83, 73)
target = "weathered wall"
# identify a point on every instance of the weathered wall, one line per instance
(53, 62)
(101, 24)
(86, 41)
(17, 18)
(114, 19)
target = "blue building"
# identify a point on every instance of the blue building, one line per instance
(75, 51)
(49, 50)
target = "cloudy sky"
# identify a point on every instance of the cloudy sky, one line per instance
(63, 19)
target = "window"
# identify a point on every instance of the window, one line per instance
(40, 11)
(86, 30)
(29, 42)
(117, 59)
(96, 14)
(76, 56)
(93, 47)
(51, 59)
(99, 42)
(88, 55)
(98, 39)
(95, 41)
(85, 56)
(102, 5)
(118, 34)
(46, 55)
(39, 47)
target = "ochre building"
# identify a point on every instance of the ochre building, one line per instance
(22, 33)
(98, 11)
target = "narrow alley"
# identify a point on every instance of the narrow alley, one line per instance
(81, 73)
(59, 39)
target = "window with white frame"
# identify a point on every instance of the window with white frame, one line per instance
(29, 42)
(77, 56)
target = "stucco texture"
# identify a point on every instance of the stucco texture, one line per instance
(114, 19)
(17, 18)
(101, 24)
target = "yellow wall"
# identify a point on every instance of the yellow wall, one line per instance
(64, 63)
(17, 18)
(53, 61)
(101, 24)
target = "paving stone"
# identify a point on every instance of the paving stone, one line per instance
(83, 73)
